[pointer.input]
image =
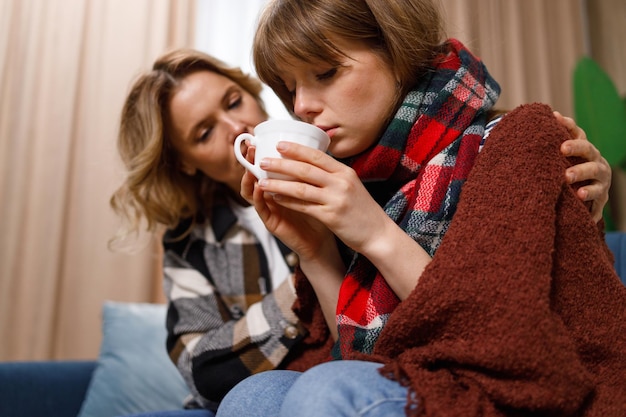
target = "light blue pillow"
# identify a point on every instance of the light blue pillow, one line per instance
(134, 373)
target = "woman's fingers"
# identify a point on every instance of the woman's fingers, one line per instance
(314, 175)
(569, 123)
(248, 180)
(596, 170)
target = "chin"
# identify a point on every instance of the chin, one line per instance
(337, 152)
(343, 153)
(334, 154)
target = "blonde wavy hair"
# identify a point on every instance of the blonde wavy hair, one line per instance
(406, 34)
(155, 190)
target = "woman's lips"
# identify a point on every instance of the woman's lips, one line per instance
(330, 131)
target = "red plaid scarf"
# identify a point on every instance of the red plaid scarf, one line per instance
(421, 161)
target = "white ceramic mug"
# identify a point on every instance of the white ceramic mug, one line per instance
(269, 133)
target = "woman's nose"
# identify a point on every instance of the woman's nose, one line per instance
(235, 128)
(306, 104)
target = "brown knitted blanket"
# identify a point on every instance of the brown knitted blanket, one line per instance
(520, 311)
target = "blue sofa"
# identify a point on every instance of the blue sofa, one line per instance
(133, 374)
(62, 388)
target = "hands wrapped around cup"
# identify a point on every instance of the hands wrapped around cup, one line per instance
(268, 134)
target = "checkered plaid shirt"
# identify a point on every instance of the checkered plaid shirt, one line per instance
(224, 322)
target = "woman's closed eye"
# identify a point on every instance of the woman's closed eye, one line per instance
(327, 75)
(204, 135)
(235, 102)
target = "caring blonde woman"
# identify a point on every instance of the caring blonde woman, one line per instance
(227, 280)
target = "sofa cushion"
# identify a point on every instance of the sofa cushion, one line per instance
(617, 243)
(134, 373)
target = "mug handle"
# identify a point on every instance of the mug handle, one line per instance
(242, 160)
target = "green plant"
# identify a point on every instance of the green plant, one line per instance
(601, 112)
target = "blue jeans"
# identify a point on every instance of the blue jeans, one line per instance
(340, 388)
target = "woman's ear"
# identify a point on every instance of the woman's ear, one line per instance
(399, 83)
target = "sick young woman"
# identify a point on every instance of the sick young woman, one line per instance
(407, 113)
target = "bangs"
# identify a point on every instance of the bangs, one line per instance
(290, 32)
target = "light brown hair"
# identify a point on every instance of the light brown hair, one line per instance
(407, 35)
(155, 189)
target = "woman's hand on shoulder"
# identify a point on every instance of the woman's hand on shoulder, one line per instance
(596, 169)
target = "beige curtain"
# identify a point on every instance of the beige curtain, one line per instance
(65, 67)
(607, 32)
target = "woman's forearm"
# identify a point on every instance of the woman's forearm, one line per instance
(326, 273)
(399, 258)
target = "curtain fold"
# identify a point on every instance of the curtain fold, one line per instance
(66, 68)
(607, 29)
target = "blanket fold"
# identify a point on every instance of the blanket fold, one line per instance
(520, 311)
